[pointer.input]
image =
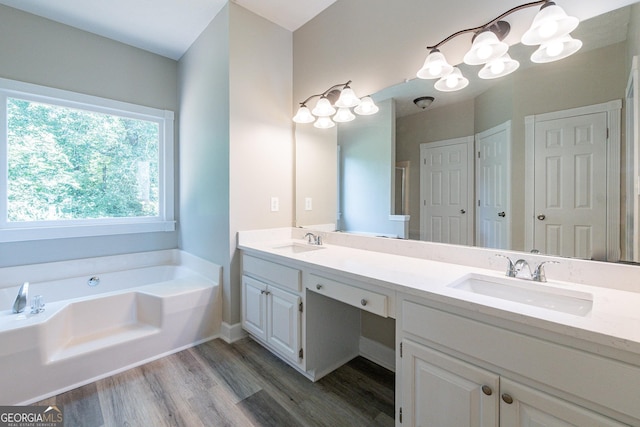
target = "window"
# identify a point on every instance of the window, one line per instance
(76, 165)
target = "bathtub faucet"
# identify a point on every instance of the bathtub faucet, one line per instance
(21, 300)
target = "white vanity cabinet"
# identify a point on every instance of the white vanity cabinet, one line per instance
(442, 391)
(272, 306)
(456, 371)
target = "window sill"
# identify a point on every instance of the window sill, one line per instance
(65, 232)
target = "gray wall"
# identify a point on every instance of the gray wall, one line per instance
(39, 51)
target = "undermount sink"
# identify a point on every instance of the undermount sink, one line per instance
(527, 292)
(296, 248)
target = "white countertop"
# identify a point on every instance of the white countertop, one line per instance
(614, 320)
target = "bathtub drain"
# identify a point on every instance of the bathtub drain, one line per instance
(94, 281)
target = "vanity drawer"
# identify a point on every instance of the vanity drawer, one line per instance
(358, 297)
(277, 274)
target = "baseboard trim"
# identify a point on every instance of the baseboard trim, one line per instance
(378, 353)
(232, 333)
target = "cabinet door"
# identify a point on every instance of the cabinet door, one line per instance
(254, 307)
(521, 406)
(438, 390)
(283, 327)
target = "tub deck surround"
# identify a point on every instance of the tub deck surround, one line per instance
(146, 306)
(611, 327)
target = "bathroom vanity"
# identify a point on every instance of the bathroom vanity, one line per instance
(473, 347)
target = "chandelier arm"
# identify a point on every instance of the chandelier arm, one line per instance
(343, 85)
(493, 21)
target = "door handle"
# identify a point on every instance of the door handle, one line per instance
(462, 211)
(541, 217)
(502, 214)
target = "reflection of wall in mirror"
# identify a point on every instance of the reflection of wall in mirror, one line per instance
(551, 87)
(367, 165)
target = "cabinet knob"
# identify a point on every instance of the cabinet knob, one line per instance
(363, 302)
(263, 292)
(507, 398)
(318, 286)
(487, 390)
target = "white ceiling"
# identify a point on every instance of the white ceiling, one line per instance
(165, 27)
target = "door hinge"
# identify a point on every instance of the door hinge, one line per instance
(300, 307)
(478, 154)
(400, 416)
(607, 133)
(301, 354)
(400, 349)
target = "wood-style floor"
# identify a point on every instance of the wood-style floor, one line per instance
(241, 384)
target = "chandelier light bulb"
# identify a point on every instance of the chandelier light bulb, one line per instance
(556, 50)
(343, 115)
(499, 67)
(550, 23)
(323, 108)
(496, 67)
(452, 82)
(366, 107)
(484, 52)
(435, 66)
(485, 48)
(303, 115)
(347, 98)
(324, 123)
(548, 29)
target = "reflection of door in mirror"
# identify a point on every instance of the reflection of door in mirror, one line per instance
(493, 187)
(402, 188)
(576, 168)
(446, 188)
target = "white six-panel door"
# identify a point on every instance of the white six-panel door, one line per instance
(493, 187)
(446, 187)
(571, 186)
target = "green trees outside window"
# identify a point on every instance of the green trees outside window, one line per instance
(66, 163)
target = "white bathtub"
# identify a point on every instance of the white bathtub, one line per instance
(145, 306)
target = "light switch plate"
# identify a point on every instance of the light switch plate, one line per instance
(308, 204)
(275, 204)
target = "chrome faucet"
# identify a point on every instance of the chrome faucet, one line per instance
(521, 269)
(521, 273)
(539, 274)
(21, 300)
(313, 239)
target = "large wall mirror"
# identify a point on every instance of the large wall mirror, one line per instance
(479, 166)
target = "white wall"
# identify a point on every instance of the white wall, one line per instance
(261, 132)
(40, 51)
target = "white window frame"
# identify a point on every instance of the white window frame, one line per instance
(40, 230)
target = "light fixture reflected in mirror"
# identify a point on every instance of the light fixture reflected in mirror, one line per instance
(452, 82)
(499, 67)
(550, 29)
(424, 101)
(340, 96)
(556, 50)
(550, 23)
(486, 47)
(435, 66)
